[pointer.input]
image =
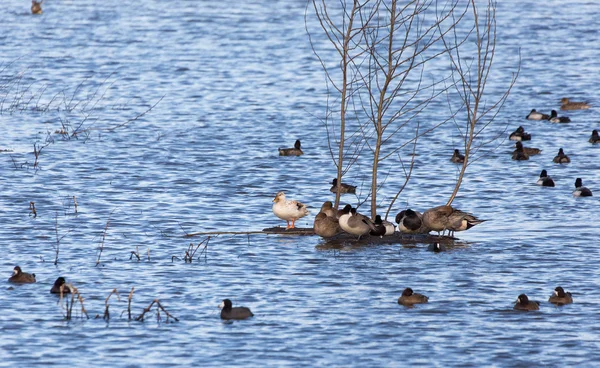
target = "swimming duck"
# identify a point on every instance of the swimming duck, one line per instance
(36, 7)
(288, 210)
(296, 151)
(534, 115)
(228, 312)
(554, 118)
(326, 226)
(560, 296)
(354, 223)
(436, 247)
(411, 222)
(20, 277)
(457, 158)
(519, 154)
(344, 188)
(523, 303)
(408, 298)
(580, 190)
(566, 104)
(519, 135)
(57, 284)
(561, 158)
(545, 180)
(595, 138)
(444, 218)
(530, 151)
(383, 227)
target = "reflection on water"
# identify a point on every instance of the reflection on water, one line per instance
(238, 84)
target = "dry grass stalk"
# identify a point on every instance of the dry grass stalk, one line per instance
(191, 251)
(32, 210)
(104, 238)
(75, 298)
(106, 315)
(159, 307)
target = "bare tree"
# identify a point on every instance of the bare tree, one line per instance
(471, 63)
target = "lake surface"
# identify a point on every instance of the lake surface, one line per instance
(228, 83)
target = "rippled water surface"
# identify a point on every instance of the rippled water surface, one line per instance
(227, 83)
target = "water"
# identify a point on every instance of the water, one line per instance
(231, 84)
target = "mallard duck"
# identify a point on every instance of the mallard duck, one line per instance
(382, 227)
(326, 226)
(595, 138)
(561, 158)
(560, 296)
(566, 104)
(534, 115)
(20, 277)
(354, 223)
(57, 284)
(580, 190)
(523, 303)
(457, 158)
(519, 135)
(344, 188)
(410, 222)
(296, 151)
(530, 151)
(327, 208)
(545, 180)
(228, 312)
(288, 210)
(444, 218)
(409, 298)
(36, 7)
(554, 118)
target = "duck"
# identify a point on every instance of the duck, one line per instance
(561, 158)
(444, 218)
(36, 7)
(382, 227)
(410, 222)
(296, 151)
(523, 303)
(560, 296)
(534, 115)
(595, 138)
(408, 298)
(519, 154)
(288, 210)
(545, 180)
(567, 104)
(519, 135)
(436, 247)
(457, 158)
(354, 223)
(554, 118)
(326, 226)
(20, 277)
(327, 209)
(228, 312)
(344, 188)
(530, 151)
(580, 190)
(57, 284)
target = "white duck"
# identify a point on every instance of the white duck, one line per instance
(288, 210)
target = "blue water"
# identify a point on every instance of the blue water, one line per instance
(180, 107)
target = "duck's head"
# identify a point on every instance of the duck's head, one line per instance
(520, 129)
(456, 151)
(564, 100)
(17, 271)
(399, 216)
(59, 281)
(225, 304)
(407, 292)
(560, 151)
(594, 133)
(347, 208)
(334, 182)
(553, 114)
(559, 292)
(297, 144)
(544, 174)
(578, 183)
(436, 247)
(378, 220)
(522, 299)
(326, 205)
(279, 197)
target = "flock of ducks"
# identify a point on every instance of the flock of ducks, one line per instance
(228, 312)
(522, 153)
